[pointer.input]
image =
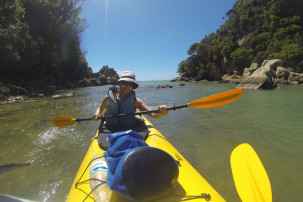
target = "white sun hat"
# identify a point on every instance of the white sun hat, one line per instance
(129, 76)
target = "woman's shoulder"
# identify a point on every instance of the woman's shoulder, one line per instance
(105, 98)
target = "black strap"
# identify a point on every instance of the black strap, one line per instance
(130, 77)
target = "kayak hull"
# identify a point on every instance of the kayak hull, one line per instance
(191, 186)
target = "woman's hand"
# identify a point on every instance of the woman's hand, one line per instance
(163, 109)
(156, 115)
(95, 117)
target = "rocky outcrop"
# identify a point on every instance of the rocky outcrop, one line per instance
(272, 64)
(248, 71)
(295, 78)
(35, 88)
(98, 81)
(283, 73)
(16, 90)
(186, 79)
(177, 79)
(112, 80)
(269, 75)
(262, 78)
(226, 78)
(103, 79)
(9, 93)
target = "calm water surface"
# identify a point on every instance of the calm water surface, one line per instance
(270, 121)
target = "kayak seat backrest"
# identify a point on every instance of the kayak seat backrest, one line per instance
(149, 173)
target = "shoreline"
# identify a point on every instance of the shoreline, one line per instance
(269, 75)
(14, 92)
(62, 92)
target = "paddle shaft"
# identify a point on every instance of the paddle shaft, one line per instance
(135, 113)
(207, 102)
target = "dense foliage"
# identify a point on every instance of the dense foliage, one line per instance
(41, 39)
(254, 31)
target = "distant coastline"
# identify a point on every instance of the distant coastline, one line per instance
(270, 75)
(18, 90)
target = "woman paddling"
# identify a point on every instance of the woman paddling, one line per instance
(124, 102)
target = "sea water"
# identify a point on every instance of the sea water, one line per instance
(269, 120)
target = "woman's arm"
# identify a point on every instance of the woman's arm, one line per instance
(100, 109)
(143, 107)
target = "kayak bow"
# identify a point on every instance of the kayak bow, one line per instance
(190, 185)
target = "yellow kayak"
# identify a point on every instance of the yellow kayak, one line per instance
(190, 186)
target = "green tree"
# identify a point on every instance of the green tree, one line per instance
(18, 51)
(240, 59)
(254, 31)
(41, 39)
(56, 26)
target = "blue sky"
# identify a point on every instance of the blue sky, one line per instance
(148, 37)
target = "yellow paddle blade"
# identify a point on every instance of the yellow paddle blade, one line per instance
(63, 121)
(217, 100)
(251, 180)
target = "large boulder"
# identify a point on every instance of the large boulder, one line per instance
(248, 71)
(272, 64)
(262, 78)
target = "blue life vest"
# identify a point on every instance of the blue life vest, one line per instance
(125, 107)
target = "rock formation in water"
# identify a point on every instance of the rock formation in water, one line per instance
(267, 76)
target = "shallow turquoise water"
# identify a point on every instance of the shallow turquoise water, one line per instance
(270, 121)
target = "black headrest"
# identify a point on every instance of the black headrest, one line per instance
(149, 173)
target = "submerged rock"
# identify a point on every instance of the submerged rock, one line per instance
(164, 86)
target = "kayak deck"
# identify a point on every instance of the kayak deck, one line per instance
(191, 186)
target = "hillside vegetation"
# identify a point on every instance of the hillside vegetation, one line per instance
(40, 49)
(255, 30)
(40, 41)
